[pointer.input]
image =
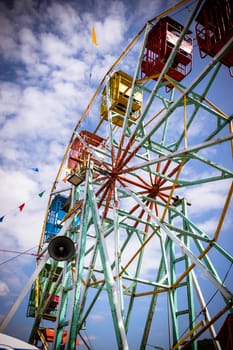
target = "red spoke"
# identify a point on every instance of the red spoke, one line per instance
(167, 188)
(152, 181)
(126, 160)
(113, 155)
(121, 162)
(114, 188)
(144, 192)
(144, 181)
(118, 157)
(164, 171)
(132, 182)
(134, 208)
(167, 195)
(162, 197)
(101, 178)
(104, 194)
(109, 196)
(170, 174)
(153, 189)
(102, 188)
(104, 164)
(156, 209)
(157, 171)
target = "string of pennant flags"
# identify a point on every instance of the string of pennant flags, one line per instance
(40, 194)
(22, 205)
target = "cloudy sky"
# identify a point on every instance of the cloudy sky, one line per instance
(49, 70)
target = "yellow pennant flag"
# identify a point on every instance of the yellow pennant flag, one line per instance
(93, 36)
(68, 170)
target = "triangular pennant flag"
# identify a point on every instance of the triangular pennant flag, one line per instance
(93, 36)
(2, 218)
(68, 170)
(21, 206)
(35, 169)
(41, 194)
(65, 179)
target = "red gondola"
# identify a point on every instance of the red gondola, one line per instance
(225, 335)
(214, 28)
(78, 152)
(161, 40)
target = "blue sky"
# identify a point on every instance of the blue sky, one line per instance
(48, 73)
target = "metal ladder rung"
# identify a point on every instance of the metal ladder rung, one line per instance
(181, 258)
(182, 312)
(183, 284)
(42, 339)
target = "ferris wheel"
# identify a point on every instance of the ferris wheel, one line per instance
(126, 226)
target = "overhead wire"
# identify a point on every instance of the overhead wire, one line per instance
(94, 44)
(209, 301)
(88, 346)
(18, 254)
(91, 347)
(187, 7)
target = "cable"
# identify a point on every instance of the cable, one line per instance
(168, 321)
(14, 251)
(209, 301)
(85, 343)
(19, 254)
(187, 7)
(91, 347)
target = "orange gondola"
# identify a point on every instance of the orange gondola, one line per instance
(49, 334)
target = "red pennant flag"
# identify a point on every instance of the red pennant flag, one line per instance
(65, 179)
(21, 206)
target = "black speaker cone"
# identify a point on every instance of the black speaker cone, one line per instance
(61, 248)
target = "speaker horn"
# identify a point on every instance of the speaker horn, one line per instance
(61, 248)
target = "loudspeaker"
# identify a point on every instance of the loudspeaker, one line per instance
(61, 248)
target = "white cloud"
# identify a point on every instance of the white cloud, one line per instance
(209, 226)
(4, 290)
(16, 181)
(207, 198)
(54, 48)
(10, 95)
(28, 46)
(97, 317)
(8, 45)
(110, 33)
(64, 18)
(70, 70)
